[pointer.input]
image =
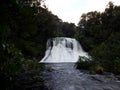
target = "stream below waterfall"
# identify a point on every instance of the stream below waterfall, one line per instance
(64, 76)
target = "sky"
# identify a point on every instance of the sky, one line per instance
(71, 10)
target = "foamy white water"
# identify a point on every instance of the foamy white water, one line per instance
(61, 49)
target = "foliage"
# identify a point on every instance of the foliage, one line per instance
(84, 63)
(91, 65)
(99, 34)
(25, 26)
(10, 63)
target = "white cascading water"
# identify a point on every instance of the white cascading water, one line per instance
(61, 49)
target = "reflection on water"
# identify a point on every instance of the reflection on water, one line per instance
(64, 76)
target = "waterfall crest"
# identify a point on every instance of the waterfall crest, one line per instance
(61, 49)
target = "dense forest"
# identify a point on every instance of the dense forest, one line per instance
(99, 34)
(25, 26)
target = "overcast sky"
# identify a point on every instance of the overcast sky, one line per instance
(71, 10)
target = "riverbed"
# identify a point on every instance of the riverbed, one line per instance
(65, 76)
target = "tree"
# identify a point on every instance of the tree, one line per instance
(99, 35)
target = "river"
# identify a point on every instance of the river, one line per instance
(64, 76)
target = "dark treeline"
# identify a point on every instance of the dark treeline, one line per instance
(99, 34)
(25, 26)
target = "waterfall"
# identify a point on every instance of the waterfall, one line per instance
(61, 49)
